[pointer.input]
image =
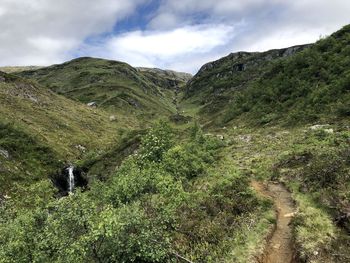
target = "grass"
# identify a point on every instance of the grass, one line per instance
(296, 157)
(314, 230)
(250, 243)
(41, 124)
(115, 86)
(276, 89)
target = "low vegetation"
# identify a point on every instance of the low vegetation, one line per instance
(156, 208)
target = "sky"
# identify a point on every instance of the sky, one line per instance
(171, 34)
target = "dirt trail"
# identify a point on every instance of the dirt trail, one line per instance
(280, 247)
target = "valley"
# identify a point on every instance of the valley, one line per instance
(247, 161)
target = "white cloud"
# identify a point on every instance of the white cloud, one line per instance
(162, 48)
(181, 35)
(46, 31)
(189, 39)
(259, 24)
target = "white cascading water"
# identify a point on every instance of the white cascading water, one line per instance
(70, 179)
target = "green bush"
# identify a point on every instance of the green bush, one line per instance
(156, 142)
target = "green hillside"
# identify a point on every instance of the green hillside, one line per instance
(217, 83)
(275, 87)
(112, 85)
(41, 130)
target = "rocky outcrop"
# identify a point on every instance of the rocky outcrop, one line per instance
(4, 153)
(61, 179)
(235, 63)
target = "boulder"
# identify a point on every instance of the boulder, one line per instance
(92, 104)
(80, 148)
(4, 153)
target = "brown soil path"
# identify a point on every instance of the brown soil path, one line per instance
(280, 247)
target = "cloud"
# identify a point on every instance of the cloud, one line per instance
(174, 34)
(46, 31)
(162, 48)
(259, 24)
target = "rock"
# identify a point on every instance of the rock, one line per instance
(92, 104)
(245, 138)
(220, 137)
(276, 246)
(112, 118)
(133, 103)
(329, 130)
(324, 127)
(290, 215)
(180, 119)
(4, 153)
(80, 148)
(319, 126)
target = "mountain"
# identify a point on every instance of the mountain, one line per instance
(294, 85)
(112, 85)
(217, 83)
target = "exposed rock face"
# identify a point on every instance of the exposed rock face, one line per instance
(61, 179)
(215, 85)
(4, 153)
(19, 88)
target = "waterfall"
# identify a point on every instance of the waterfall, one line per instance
(70, 179)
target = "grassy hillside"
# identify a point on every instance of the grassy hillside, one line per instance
(16, 69)
(310, 86)
(212, 89)
(40, 130)
(112, 85)
(261, 88)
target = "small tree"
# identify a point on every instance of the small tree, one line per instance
(156, 142)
